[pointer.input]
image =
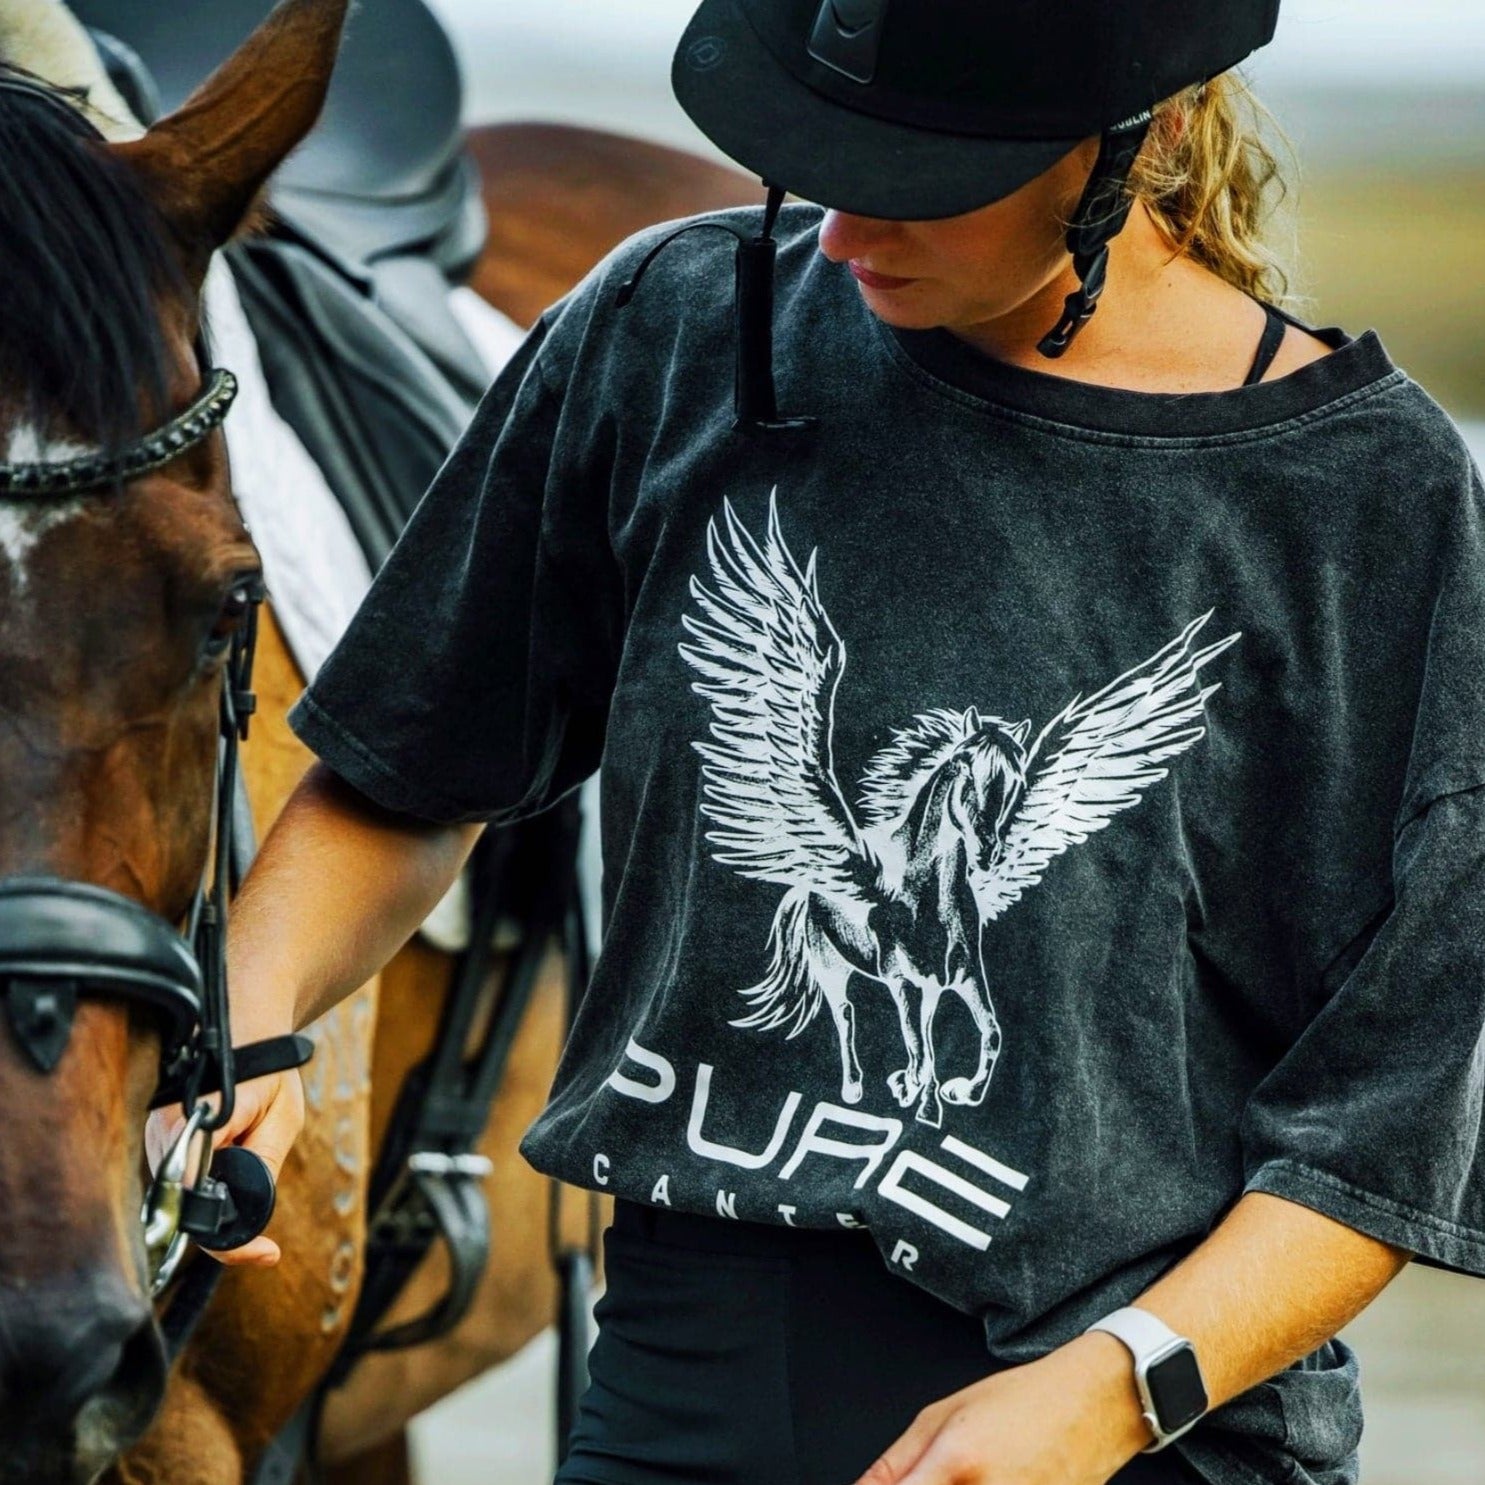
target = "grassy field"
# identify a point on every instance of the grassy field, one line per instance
(1402, 253)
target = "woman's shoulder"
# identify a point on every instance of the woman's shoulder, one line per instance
(673, 285)
(685, 252)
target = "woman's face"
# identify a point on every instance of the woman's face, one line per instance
(963, 271)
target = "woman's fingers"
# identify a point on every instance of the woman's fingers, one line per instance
(267, 1119)
(895, 1465)
(262, 1252)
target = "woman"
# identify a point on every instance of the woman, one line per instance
(1022, 1046)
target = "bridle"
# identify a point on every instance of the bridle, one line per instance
(61, 941)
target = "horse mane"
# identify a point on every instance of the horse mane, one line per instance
(86, 263)
(895, 775)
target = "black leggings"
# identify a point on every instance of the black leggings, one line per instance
(730, 1353)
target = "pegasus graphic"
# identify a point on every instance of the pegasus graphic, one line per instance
(956, 819)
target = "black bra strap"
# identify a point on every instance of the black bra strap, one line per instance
(1268, 347)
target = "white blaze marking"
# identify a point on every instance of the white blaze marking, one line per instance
(21, 527)
(24, 523)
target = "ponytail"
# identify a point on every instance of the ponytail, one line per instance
(1210, 181)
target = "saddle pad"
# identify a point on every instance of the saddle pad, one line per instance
(317, 575)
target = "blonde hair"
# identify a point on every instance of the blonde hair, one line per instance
(1210, 180)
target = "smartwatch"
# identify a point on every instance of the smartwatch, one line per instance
(1166, 1372)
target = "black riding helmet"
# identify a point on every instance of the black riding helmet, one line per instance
(919, 109)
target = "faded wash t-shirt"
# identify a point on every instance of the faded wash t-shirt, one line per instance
(1033, 814)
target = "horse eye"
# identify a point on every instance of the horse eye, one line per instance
(234, 610)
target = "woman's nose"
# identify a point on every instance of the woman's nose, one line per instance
(843, 236)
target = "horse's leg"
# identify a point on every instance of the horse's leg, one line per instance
(388, 1463)
(977, 998)
(833, 974)
(930, 1109)
(906, 1083)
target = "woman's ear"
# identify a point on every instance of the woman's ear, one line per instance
(205, 164)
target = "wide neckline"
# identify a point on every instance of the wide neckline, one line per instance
(1353, 365)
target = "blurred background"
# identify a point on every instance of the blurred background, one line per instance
(1384, 103)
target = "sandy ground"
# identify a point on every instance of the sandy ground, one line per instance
(1422, 1348)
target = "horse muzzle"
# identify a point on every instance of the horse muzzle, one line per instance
(82, 1374)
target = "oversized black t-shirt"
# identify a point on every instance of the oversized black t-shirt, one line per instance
(1033, 814)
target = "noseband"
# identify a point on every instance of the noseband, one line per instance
(61, 941)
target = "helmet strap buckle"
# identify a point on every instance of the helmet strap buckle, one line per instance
(1078, 308)
(1099, 218)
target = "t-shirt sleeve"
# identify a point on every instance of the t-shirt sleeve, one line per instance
(1374, 1115)
(474, 681)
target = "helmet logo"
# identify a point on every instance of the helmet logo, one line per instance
(705, 53)
(847, 36)
(856, 15)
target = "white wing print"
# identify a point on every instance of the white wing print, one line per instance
(770, 662)
(1107, 752)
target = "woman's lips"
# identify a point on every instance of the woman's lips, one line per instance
(877, 280)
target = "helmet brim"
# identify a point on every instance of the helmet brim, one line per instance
(750, 106)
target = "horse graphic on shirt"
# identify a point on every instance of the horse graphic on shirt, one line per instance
(956, 818)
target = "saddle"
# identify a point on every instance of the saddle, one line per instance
(375, 216)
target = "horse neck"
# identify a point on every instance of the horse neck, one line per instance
(922, 828)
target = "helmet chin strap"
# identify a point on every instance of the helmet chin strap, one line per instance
(1100, 217)
(754, 396)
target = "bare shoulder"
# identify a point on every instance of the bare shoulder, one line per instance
(1297, 349)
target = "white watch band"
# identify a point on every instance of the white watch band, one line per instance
(1148, 1340)
(1141, 1331)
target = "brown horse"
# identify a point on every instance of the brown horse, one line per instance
(104, 777)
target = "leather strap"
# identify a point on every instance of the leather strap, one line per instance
(256, 1060)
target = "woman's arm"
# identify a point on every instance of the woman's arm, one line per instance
(337, 888)
(1273, 1281)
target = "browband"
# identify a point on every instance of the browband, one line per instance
(92, 471)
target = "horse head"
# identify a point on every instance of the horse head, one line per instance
(983, 781)
(120, 595)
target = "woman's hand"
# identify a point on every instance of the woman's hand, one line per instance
(1071, 1418)
(266, 1119)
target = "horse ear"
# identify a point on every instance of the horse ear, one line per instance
(1021, 728)
(205, 163)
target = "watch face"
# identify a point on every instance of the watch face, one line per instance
(1176, 1389)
